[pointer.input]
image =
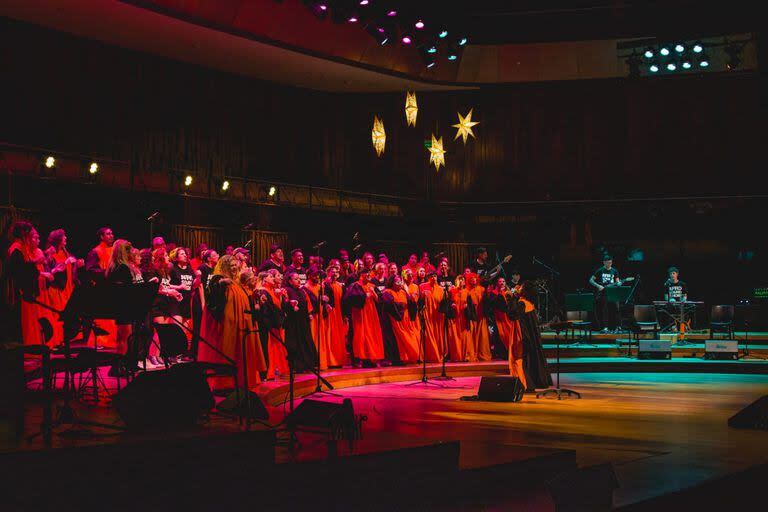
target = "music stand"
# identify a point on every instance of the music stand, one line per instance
(579, 302)
(618, 295)
(557, 390)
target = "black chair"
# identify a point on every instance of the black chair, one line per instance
(721, 320)
(644, 321)
(579, 321)
(85, 362)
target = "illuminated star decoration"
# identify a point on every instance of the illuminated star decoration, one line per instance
(378, 136)
(465, 127)
(411, 108)
(437, 153)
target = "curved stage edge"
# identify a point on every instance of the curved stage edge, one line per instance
(275, 393)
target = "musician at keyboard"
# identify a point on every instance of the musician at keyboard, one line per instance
(675, 290)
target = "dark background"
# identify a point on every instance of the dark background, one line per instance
(671, 166)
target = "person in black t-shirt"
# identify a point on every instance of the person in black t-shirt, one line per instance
(675, 290)
(444, 278)
(182, 277)
(480, 266)
(606, 314)
(297, 266)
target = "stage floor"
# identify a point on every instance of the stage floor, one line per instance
(662, 432)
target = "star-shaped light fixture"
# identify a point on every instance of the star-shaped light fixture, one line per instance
(437, 153)
(378, 136)
(464, 128)
(411, 108)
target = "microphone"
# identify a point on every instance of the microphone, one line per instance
(319, 244)
(153, 216)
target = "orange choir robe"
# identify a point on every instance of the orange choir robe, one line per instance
(278, 356)
(318, 323)
(458, 327)
(104, 254)
(434, 322)
(228, 334)
(407, 332)
(335, 326)
(479, 342)
(32, 313)
(367, 342)
(60, 296)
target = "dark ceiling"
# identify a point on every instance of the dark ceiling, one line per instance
(515, 21)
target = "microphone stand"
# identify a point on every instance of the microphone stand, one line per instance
(443, 374)
(321, 310)
(423, 348)
(553, 274)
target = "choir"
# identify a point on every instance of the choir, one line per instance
(367, 312)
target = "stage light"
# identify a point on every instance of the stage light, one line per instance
(188, 180)
(406, 39)
(671, 66)
(664, 51)
(704, 61)
(452, 56)
(352, 19)
(272, 191)
(698, 48)
(392, 13)
(649, 53)
(654, 68)
(431, 65)
(363, 2)
(419, 25)
(93, 168)
(686, 64)
(224, 186)
(443, 34)
(679, 48)
(49, 162)
(463, 41)
(379, 33)
(432, 49)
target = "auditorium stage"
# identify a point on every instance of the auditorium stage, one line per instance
(661, 424)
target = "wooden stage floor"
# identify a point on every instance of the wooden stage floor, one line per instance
(662, 430)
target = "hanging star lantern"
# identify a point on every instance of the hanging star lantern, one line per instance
(378, 136)
(437, 153)
(411, 108)
(464, 128)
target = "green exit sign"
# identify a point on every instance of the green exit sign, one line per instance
(427, 144)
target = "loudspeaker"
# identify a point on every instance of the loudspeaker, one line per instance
(162, 398)
(754, 416)
(654, 349)
(331, 416)
(249, 406)
(500, 389)
(721, 349)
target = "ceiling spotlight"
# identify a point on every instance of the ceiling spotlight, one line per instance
(671, 66)
(442, 34)
(679, 48)
(49, 162)
(93, 168)
(704, 61)
(698, 48)
(664, 51)
(654, 67)
(392, 13)
(188, 180)
(363, 2)
(379, 33)
(649, 53)
(463, 41)
(686, 64)
(419, 25)
(406, 39)
(432, 49)
(352, 19)
(431, 65)
(452, 56)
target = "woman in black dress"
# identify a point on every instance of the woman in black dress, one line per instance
(535, 367)
(298, 333)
